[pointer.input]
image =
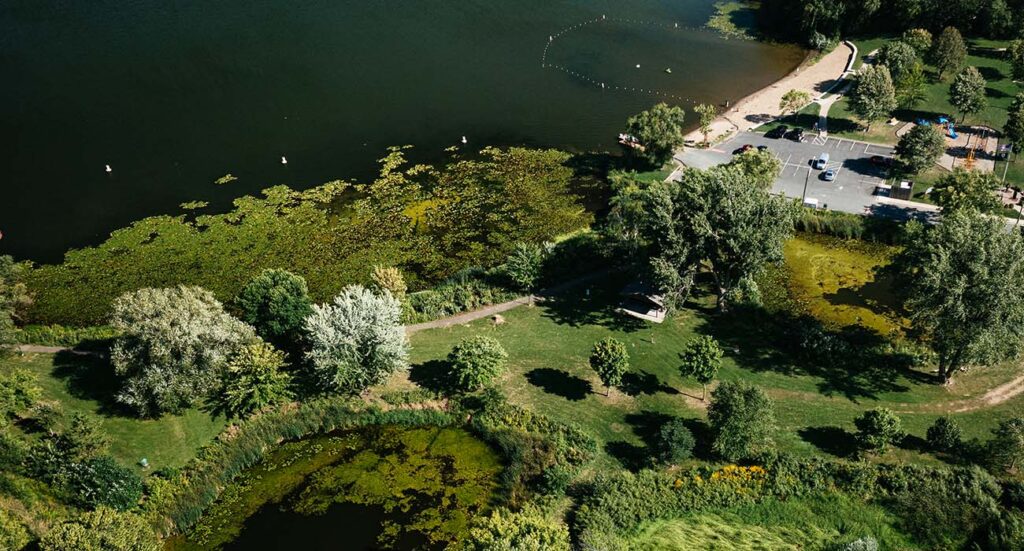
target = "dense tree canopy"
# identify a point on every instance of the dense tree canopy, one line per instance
(967, 93)
(920, 148)
(174, 345)
(874, 96)
(1014, 129)
(899, 57)
(949, 52)
(275, 303)
(967, 189)
(742, 420)
(659, 130)
(357, 341)
(964, 285)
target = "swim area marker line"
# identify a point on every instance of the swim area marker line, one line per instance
(604, 85)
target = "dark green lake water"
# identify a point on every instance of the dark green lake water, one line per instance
(175, 94)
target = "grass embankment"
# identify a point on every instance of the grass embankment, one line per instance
(85, 384)
(816, 399)
(774, 525)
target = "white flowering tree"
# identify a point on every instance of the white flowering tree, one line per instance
(174, 347)
(357, 341)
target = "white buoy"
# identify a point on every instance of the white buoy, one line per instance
(283, 160)
(464, 140)
(108, 169)
(637, 65)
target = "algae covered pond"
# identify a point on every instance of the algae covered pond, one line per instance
(380, 487)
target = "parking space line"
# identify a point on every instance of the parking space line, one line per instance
(852, 145)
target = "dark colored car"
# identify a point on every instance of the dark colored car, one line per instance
(762, 148)
(796, 134)
(743, 149)
(777, 132)
(881, 161)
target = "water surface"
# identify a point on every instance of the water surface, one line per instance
(174, 95)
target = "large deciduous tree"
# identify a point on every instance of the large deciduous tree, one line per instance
(899, 57)
(173, 348)
(918, 39)
(707, 113)
(1014, 129)
(1015, 53)
(967, 189)
(659, 130)
(701, 359)
(874, 96)
(762, 167)
(475, 362)
(610, 361)
(357, 341)
(920, 148)
(276, 303)
(949, 52)
(793, 100)
(963, 280)
(742, 420)
(253, 380)
(967, 93)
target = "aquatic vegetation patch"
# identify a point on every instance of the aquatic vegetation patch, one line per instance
(734, 19)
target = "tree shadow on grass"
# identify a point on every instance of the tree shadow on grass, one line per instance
(832, 440)
(636, 383)
(593, 305)
(559, 383)
(647, 426)
(631, 456)
(434, 375)
(702, 436)
(914, 443)
(90, 377)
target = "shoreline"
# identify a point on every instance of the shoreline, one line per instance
(753, 110)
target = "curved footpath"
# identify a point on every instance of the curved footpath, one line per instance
(763, 106)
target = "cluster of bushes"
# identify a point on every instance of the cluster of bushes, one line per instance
(849, 226)
(466, 291)
(966, 500)
(59, 335)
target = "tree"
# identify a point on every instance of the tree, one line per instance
(949, 52)
(18, 393)
(13, 534)
(253, 380)
(701, 359)
(356, 342)
(877, 428)
(899, 57)
(675, 442)
(967, 189)
(742, 420)
(874, 96)
(102, 530)
(528, 529)
(390, 279)
(707, 114)
(1016, 56)
(793, 100)
(761, 167)
(173, 346)
(920, 148)
(967, 93)
(525, 265)
(101, 481)
(276, 303)
(963, 280)
(911, 89)
(475, 362)
(659, 130)
(1006, 449)
(918, 39)
(14, 298)
(944, 435)
(84, 438)
(1014, 129)
(611, 361)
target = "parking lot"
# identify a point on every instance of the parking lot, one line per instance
(856, 179)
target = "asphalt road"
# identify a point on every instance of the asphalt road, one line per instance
(857, 178)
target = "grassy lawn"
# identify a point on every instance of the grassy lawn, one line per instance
(84, 384)
(816, 401)
(1013, 169)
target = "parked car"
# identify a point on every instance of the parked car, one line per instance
(762, 148)
(881, 161)
(796, 134)
(743, 149)
(829, 175)
(821, 162)
(777, 132)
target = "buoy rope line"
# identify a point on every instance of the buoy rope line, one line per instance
(605, 85)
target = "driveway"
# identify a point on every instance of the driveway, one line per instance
(857, 178)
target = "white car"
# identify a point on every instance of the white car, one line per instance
(829, 175)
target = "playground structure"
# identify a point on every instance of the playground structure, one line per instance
(971, 148)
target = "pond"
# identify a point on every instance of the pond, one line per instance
(176, 95)
(379, 487)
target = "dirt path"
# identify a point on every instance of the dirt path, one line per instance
(763, 106)
(991, 398)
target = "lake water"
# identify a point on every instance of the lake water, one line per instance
(173, 95)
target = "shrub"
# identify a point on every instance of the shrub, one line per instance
(173, 347)
(59, 335)
(860, 544)
(253, 380)
(1006, 449)
(611, 361)
(877, 429)
(528, 529)
(742, 420)
(101, 481)
(475, 362)
(675, 442)
(102, 530)
(524, 266)
(944, 435)
(356, 342)
(468, 290)
(18, 392)
(276, 303)
(13, 534)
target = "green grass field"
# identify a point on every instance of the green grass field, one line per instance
(816, 401)
(85, 384)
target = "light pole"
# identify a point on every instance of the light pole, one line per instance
(807, 180)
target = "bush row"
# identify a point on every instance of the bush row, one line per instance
(849, 226)
(59, 335)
